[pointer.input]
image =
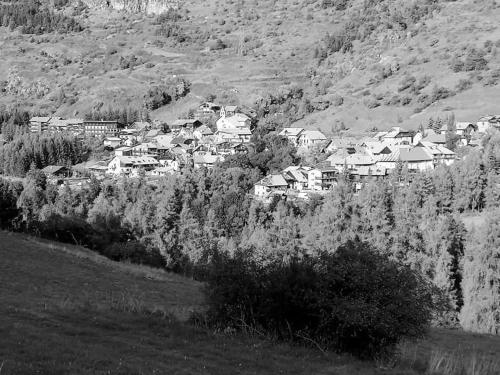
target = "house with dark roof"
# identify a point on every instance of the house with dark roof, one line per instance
(55, 171)
(274, 183)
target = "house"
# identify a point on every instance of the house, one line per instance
(440, 154)
(240, 135)
(55, 171)
(292, 134)
(202, 131)
(185, 123)
(57, 124)
(152, 134)
(145, 148)
(202, 159)
(208, 108)
(297, 177)
(376, 148)
(39, 124)
(397, 136)
(234, 121)
(417, 159)
(162, 171)
(112, 142)
(487, 122)
(323, 176)
(127, 165)
(433, 137)
(311, 138)
(271, 184)
(102, 128)
(123, 151)
(228, 111)
(365, 174)
(335, 144)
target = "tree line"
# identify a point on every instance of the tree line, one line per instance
(34, 18)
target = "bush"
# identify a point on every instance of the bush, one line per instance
(353, 300)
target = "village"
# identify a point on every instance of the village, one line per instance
(152, 150)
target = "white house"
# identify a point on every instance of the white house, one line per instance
(274, 183)
(417, 159)
(296, 177)
(440, 154)
(127, 165)
(487, 122)
(236, 121)
(311, 138)
(203, 159)
(234, 135)
(323, 176)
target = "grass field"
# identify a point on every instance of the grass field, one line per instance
(66, 310)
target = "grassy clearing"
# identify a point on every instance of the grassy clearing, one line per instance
(64, 309)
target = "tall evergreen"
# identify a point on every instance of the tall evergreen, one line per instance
(481, 279)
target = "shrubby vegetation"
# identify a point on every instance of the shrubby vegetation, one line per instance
(353, 299)
(370, 18)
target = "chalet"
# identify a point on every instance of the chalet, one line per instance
(241, 135)
(335, 144)
(235, 121)
(323, 176)
(397, 136)
(375, 148)
(292, 134)
(440, 154)
(102, 128)
(365, 174)
(185, 123)
(271, 184)
(296, 177)
(311, 138)
(417, 159)
(39, 124)
(57, 124)
(127, 165)
(433, 137)
(55, 171)
(202, 131)
(145, 148)
(202, 159)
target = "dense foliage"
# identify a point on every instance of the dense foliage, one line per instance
(352, 300)
(34, 18)
(39, 151)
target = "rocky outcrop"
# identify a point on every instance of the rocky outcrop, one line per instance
(136, 6)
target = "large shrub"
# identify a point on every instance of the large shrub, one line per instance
(353, 300)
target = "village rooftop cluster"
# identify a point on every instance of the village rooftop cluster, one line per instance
(151, 151)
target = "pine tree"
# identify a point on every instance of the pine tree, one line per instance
(481, 278)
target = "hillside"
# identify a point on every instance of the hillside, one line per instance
(64, 309)
(239, 51)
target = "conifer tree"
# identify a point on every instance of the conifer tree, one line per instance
(481, 278)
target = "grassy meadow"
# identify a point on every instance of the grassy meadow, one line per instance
(64, 309)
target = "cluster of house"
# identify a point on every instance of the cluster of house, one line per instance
(364, 160)
(158, 151)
